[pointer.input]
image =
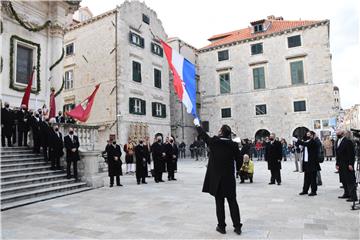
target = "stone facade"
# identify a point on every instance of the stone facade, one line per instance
(279, 93)
(45, 47)
(182, 125)
(96, 60)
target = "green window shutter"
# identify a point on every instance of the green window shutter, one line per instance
(161, 52)
(259, 77)
(225, 83)
(136, 71)
(163, 110)
(297, 72)
(142, 43)
(130, 37)
(131, 105)
(153, 107)
(143, 107)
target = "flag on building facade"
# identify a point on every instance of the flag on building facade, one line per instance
(26, 97)
(82, 111)
(184, 78)
(52, 113)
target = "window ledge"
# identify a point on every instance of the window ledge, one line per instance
(300, 55)
(224, 69)
(258, 63)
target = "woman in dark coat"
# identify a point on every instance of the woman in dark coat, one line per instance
(220, 175)
(113, 158)
(142, 159)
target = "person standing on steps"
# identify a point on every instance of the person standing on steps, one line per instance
(72, 145)
(220, 175)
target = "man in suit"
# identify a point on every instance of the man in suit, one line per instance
(35, 123)
(171, 151)
(23, 125)
(114, 162)
(142, 159)
(220, 175)
(273, 156)
(158, 154)
(7, 124)
(60, 118)
(56, 147)
(310, 162)
(72, 145)
(45, 132)
(345, 160)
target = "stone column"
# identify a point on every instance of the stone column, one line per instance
(91, 169)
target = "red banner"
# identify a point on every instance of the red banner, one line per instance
(26, 97)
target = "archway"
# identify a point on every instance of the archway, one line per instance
(300, 132)
(261, 134)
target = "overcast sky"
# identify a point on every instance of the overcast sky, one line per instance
(195, 21)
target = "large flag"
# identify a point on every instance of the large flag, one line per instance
(26, 97)
(82, 111)
(184, 78)
(52, 104)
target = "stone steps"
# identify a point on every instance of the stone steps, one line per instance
(25, 202)
(26, 178)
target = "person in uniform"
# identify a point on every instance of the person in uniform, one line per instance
(7, 124)
(171, 151)
(273, 156)
(220, 175)
(158, 155)
(114, 162)
(129, 156)
(72, 145)
(142, 159)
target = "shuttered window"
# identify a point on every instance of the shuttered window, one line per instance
(158, 110)
(136, 40)
(223, 55)
(297, 72)
(157, 49)
(256, 48)
(136, 69)
(137, 106)
(259, 77)
(157, 78)
(224, 83)
(294, 41)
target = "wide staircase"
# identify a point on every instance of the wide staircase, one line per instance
(26, 178)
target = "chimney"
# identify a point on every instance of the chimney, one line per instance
(271, 17)
(279, 18)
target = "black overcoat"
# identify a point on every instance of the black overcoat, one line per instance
(45, 133)
(312, 165)
(56, 143)
(157, 150)
(8, 120)
(114, 166)
(142, 159)
(23, 120)
(273, 155)
(220, 173)
(170, 151)
(345, 156)
(70, 155)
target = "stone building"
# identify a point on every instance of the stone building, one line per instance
(351, 118)
(182, 125)
(31, 35)
(273, 76)
(120, 50)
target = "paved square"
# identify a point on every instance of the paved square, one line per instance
(179, 210)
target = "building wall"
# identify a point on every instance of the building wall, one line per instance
(279, 94)
(50, 40)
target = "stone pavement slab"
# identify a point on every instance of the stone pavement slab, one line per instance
(179, 210)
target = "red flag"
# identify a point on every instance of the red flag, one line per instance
(52, 113)
(82, 111)
(26, 97)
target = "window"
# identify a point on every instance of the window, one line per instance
(205, 125)
(156, 49)
(24, 63)
(137, 106)
(299, 106)
(157, 78)
(136, 68)
(256, 48)
(226, 112)
(69, 79)
(225, 83)
(259, 78)
(258, 28)
(68, 107)
(297, 72)
(294, 41)
(69, 49)
(260, 109)
(158, 110)
(223, 55)
(146, 19)
(136, 40)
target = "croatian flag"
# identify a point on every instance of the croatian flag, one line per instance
(184, 79)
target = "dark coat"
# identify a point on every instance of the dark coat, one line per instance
(114, 166)
(70, 155)
(170, 151)
(345, 156)
(220, 173)
(157, 150)
(8, 121)
(56, 143)
(23, 120)
(45, 132)
(273, 155)
(142, 159)
(312, 165)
